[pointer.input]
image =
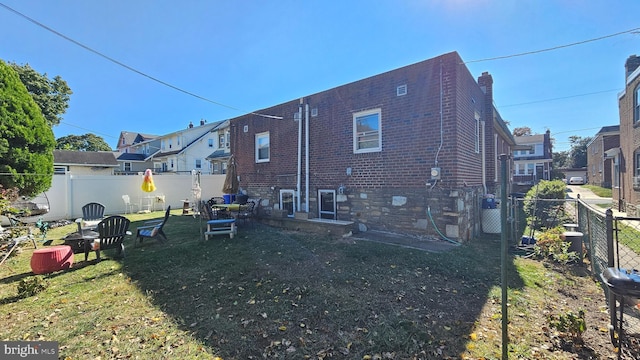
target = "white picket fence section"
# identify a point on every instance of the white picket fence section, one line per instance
(68, 193)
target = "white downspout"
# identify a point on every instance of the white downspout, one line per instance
(484, 159)
(306, 157)
(298, 181)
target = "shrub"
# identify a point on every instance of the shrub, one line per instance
(31, 286)
(545, 204)
(550, 244)
(569, 324)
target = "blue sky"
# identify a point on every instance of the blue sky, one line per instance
(249, 55)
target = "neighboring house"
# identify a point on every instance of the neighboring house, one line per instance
(599, 164)
(399, 151)
(84, 162)
(221, 149)
(533, 160)
(627, 162)
(138, 158)
(186, 150)
(128, 138)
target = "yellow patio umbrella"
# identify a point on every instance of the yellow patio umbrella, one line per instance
(147, 183)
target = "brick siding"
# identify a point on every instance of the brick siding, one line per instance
(388, 190)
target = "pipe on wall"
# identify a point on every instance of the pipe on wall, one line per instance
(298, 181)
(306, 157)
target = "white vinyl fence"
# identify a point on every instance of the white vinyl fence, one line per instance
(68, 193)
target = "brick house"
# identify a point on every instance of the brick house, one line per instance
(599, 164)
(626, 163)
(399, 151)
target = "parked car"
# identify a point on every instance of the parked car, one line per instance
(576, 180)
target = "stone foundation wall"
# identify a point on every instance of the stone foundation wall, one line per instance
(455, 212)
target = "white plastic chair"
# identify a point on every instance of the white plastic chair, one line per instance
(128, 206)
(160, 199)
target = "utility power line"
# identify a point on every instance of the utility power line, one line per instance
(129, 67)
(559, 98)
(634, 30)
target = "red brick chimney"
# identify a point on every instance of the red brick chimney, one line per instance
(631, 65)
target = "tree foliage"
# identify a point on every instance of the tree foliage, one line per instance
(578, 152)
(522, 131)
(86, 142)
(26, 139)
(542, 211)
(51, 95)
(561, 159)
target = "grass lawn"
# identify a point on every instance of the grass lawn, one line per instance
(600, 191)
(270, 293)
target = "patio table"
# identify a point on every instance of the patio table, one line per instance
(76, 240)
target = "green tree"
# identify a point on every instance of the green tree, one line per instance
(561, 159)
(578, 152)
(51, 95)
(26, 140)
(86, 142)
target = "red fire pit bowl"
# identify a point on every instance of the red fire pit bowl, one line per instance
(50, 259)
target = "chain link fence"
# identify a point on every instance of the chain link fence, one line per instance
(529, 217)
(614, 242)
(605, 241)
(623, 249)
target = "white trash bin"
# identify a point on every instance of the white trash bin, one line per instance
(491, 221)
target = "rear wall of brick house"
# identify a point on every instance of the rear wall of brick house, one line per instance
(390, 190)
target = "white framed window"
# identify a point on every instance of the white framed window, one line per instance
(616, 171)
(636, 104)
(210, 143)
(127, 166)
(228, 136)
(367, 132)
(401, 90)
(198, 163)
(262, 147)
(531, 168)
(221, 141)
